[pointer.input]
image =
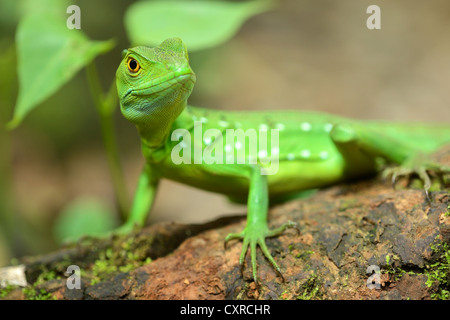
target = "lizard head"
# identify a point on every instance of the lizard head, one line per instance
(154, 83)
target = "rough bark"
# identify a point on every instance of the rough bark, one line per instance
(344, 230)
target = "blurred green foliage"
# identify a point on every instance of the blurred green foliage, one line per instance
(50, 54)
(49, 57)
(201, 24)
(7, 58)
(84, 216)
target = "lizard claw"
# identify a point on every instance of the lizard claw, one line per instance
(396, 173)
(232, 236)
(253, 237)
(420, 167)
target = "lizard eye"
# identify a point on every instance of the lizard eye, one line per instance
(133, 65)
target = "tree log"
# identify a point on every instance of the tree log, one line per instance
(347, 232)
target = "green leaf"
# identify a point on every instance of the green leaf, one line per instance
(201, 24)
(84, 216)
(55, 7)
(49, 55)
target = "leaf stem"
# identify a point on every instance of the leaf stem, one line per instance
(105, 106)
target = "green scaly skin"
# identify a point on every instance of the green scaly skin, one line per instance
(315, 149)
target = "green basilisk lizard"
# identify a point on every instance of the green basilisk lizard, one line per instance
(311, 149)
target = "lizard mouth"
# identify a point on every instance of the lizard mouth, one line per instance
(162, 84)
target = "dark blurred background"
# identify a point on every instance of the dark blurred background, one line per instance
(304, 54)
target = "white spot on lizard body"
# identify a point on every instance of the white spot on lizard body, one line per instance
(207, 140)
(262, 153)
(323, 155)
(305, 126)
(328, 127)
(223, 123)
(305, 153)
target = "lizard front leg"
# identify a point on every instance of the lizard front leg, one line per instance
(256, 230)
(143, 200)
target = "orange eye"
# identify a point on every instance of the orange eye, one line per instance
(133, 65)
